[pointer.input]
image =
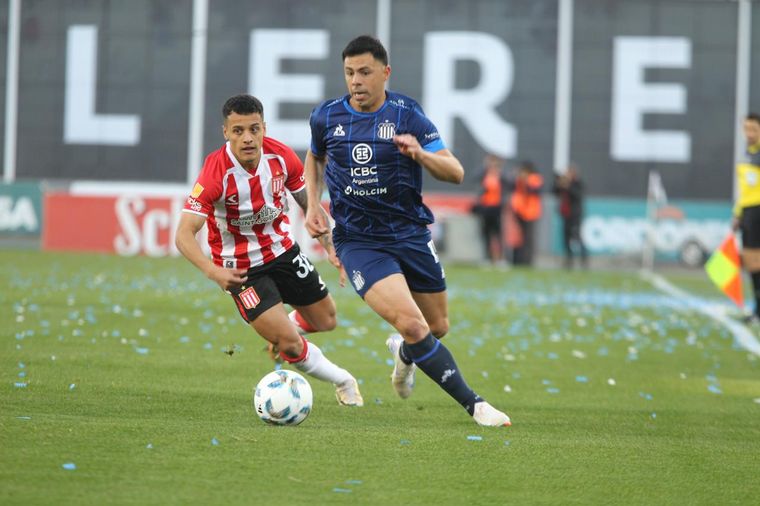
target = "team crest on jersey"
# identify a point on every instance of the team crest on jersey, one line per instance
(339, 132)
(278, 183)
(249, 298)
(386, 130)
(357, 279)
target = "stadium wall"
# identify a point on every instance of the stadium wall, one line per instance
(104, 88)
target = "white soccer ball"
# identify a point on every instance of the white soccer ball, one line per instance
(283, 398)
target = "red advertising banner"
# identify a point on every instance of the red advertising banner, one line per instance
(130, 224)
(126, 225)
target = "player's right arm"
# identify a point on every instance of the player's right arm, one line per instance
(317, 223)
(189, 226)
(316, 218)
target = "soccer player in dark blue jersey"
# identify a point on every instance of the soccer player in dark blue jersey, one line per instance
(370, 147)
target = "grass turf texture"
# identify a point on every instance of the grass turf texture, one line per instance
(126, 377)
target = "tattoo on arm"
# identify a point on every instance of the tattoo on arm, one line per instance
(302, 199)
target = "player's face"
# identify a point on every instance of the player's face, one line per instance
(752, 132)
(365, 79)
(246, 134)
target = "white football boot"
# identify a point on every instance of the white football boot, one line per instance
(348, 393)
(487, 415)
(402, 377)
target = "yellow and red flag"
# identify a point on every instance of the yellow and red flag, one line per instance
(724, 269)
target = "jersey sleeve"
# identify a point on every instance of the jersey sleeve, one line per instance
(317, 122)
(296, 180)
(426, 132)
(207, 190)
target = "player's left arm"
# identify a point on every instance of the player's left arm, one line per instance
(442, 164)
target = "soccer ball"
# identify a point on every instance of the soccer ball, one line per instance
(283, 398)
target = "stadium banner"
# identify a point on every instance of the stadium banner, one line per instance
(20, 209)
(142, 221)
(684, 230)
(134, 223)
(652, 83)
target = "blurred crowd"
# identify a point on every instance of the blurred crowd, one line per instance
(509, 206)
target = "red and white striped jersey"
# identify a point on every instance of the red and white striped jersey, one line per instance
(245, 211)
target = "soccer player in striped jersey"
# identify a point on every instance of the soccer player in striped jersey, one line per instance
(240, 195)
(370, 147)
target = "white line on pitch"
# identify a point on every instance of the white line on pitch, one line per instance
(743, 336)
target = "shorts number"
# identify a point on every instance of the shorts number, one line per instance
(431, 245)
(304, 266)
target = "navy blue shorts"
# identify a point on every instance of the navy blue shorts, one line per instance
(367, 262)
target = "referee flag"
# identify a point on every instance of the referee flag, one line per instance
(724, 269)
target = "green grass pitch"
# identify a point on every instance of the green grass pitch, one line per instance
(116, 389)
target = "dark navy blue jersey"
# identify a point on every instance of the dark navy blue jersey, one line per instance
(375, 191)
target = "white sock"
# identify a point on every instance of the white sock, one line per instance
(299, 323)
(317, 365)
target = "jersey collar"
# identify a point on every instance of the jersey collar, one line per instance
(349, 108)
(236, 163)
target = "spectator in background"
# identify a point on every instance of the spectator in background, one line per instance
(526, 185)
(747, 208)
(489, 207)
(569, 190)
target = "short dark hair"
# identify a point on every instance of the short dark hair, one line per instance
(242, 104)
(753, 116)
(366, 44)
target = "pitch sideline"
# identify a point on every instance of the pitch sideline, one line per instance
(743, 336)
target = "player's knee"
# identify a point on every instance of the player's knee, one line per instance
(413, 329)
(326, 322)
(440, 327)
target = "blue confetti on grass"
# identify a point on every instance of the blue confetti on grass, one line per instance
(645, 396)
(72, 386)
(405, 442)
(339, 490)
(475, 438)
(581, 379)
(20, 384)
(149, 446)
(714, 389)
(69, 466)
(24, 417)
(142, 351)
(389, 362)
(214, 441)
(507, 442)
(184, 339)
(553, 390)
(354, 482)
(22, 374)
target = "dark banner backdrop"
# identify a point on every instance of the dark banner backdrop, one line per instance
(104, 86)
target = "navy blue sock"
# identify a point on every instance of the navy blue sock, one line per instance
(436, 361)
